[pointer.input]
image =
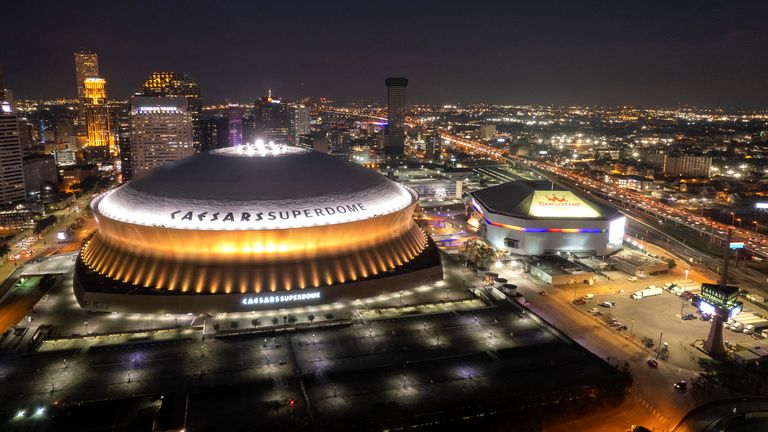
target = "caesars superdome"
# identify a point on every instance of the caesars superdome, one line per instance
(252, 227)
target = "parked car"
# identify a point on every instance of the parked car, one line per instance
(632, 278)
(589, 296)
(606, 304)
(542, 293)
(622, 328)
(594, 310)
(579, 301)
(681, 386)
(653, 363)
(688, 316)
(705, 317)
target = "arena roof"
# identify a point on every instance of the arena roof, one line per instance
(255, 188)
(540, 199)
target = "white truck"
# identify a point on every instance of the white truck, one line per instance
(648, 292)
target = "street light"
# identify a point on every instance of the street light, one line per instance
(86, 327)
(686, 274)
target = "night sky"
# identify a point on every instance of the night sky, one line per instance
(665, 53)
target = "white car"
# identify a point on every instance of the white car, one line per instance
(606, 304)
(589, 296)
(632, 278)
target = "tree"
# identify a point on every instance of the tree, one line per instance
(671, 263)
(329, 316)
(275, 321)
(4, 249)
(256, 322)
(311, 318)
(44, 223)
(479, 252)
(292, 319)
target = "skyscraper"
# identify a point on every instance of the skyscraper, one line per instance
(271, 119)
(394, 133)
(298, 123)
(11, 166)
(235, 125)
(214, 132)
(86, 66)
(178, 84)
(96, 113)
(161, 132)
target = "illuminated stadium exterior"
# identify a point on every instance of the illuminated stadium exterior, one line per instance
(537, 218)
(252, 227)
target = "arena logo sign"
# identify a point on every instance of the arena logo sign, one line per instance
(257, 216)
(561, 201)
(280, 298)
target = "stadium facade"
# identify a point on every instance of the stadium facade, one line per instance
(537, 218)
(252, 227)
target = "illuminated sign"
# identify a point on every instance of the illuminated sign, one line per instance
(560, 204)
(270, 215)
(724, 298)
(707, 308)
(280, 298)
(157, 109)
(616, 231)
(761, 205)
(5, 107)
(736, 245)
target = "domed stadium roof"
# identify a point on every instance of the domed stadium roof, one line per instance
(254, 188)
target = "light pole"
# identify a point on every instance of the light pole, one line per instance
(686, 274)
(658, 353)
(86, 327)
(733, 219)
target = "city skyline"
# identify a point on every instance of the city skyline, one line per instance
(337, 216)
(554, 53)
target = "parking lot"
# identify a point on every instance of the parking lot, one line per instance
(657, 318)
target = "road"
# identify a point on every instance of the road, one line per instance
(652, 402)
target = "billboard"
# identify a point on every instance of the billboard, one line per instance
(560, 204)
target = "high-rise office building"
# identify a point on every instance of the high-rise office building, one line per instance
(161, 132)
(96, 113)
(271, 120)
(214, 132)
(40, 174)
(178, 84)
(434, 148)
(11, 167)
(86, 66)
(394, 133)
(298, 123)
(234, 125)
(121, 113)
